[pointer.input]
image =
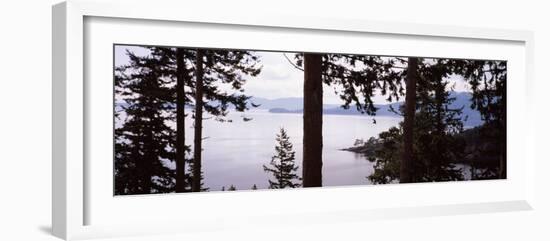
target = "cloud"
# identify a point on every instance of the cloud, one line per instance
(278, 78)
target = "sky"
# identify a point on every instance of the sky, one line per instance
(278, 78)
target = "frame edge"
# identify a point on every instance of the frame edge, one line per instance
(59, 116)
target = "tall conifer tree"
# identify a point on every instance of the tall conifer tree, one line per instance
(214, 69)
(282, 165)
(143, 141)
(183, 78)
(406, 168)
(487, 79)
(197, 151)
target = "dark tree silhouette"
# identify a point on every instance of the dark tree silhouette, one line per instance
(182, 78)
(313, 121)
(214, 68)
(406, 169)
(387, 151)
(429, 74)
(488, 81)
(144, 143)
(176, 68)
(437, 147)
(438, 141)
(196, 185)
(282, 165)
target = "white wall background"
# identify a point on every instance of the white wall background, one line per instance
(25, 120)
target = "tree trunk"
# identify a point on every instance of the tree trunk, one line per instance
(180, 121)
(145, 165)
(196, 187)
(406, 168)
(503, 171)
(313, 121)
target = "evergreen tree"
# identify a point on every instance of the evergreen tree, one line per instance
(182, 79)
(487, 79)
(190, 178)
(232, 188)
(177, 70)
(144, 143)
(282, 165)
(434, 146)
(197, 147)
(406, 169)
(437, 148)
(214, 68)
(254, 187)
(388, 151)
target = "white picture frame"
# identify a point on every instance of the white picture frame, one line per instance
(72, 191)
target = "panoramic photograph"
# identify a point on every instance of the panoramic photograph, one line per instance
(190, 119)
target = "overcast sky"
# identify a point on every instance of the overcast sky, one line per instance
(278, 78)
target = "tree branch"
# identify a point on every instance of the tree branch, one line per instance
(292, 63)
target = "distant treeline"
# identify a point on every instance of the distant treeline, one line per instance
(470, 117)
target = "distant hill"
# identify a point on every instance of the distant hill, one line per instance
(294, 105)
(470, 117)
(463, 100)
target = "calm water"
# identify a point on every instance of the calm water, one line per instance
(233, 153)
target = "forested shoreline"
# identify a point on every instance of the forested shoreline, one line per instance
(476, 147)
(175, 85)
